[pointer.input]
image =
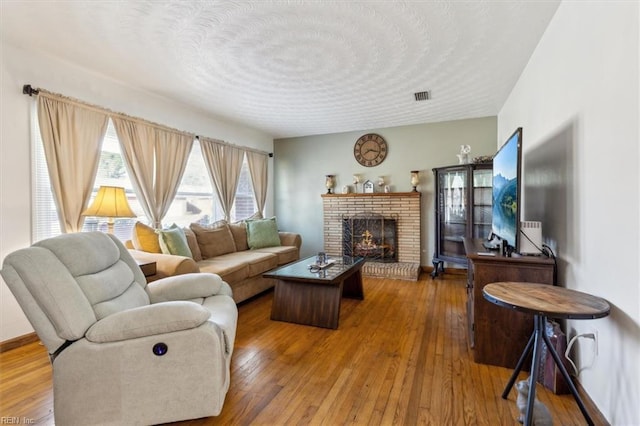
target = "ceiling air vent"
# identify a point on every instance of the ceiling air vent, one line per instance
(422, 96)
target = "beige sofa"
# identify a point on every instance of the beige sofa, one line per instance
(227, 250)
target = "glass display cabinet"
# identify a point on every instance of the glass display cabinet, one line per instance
(462, 210)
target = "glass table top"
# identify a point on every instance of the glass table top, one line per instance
(337, 266)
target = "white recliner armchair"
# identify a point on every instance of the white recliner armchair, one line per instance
(122, 351)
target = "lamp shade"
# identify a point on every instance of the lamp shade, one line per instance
(111, 201)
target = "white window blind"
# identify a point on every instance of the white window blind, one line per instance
(44, 218)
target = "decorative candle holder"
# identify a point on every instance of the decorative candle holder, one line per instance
(415, 179)
(330, 183)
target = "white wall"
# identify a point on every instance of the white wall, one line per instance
(577, 101)
(17, 68)
(302, 163)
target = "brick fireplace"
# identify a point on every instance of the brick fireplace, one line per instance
(402, 208)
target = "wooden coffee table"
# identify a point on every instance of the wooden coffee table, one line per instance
(313, 298)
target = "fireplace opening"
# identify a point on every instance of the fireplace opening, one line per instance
(369, 235)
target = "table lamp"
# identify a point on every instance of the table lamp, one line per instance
(110, 202)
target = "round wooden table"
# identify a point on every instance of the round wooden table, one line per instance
(544, 301)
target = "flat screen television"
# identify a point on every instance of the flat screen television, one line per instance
(506, 193)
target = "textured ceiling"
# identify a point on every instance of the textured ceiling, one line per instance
(294, 68)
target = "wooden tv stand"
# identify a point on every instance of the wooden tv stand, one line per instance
(498, 335)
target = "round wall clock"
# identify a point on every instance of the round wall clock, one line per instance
(370, 150)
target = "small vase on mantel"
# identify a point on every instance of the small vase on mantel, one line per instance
(330, 183)
(356, 180)
(415, 179)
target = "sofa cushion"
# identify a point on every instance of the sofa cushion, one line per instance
(232, 270)
(256, 262)
(174, 241)
(262, 233)
(145, 238)
(285, 254)
(239, 232)
(237, 266)
(192, 241)
(213, 241)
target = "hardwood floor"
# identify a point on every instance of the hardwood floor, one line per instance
(399, 357)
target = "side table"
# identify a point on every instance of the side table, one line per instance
(544, 301)
(148, 267)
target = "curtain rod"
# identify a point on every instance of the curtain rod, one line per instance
(270, 154)
(30, 91)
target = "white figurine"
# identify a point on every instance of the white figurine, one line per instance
(463, 157)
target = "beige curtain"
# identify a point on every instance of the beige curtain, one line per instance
(156, 158)
(258, 167)
(72, 135)
(224, 163)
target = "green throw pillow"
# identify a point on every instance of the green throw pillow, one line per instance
(174, 241)
(262, 233)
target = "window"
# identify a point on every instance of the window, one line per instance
(194, 202)
(244, 204)
(44, 220)
(111, 171)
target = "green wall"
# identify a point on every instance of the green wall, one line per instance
(300, 166)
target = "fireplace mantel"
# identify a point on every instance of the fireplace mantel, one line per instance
(375, 194)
